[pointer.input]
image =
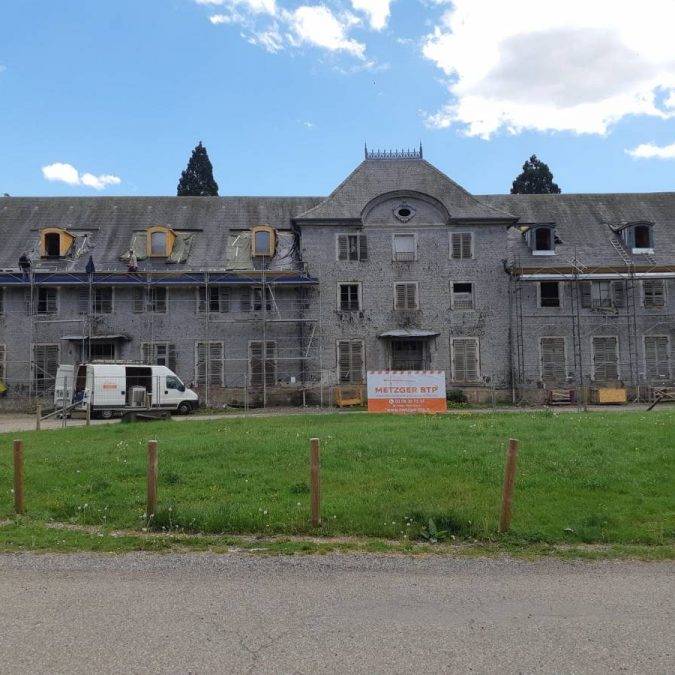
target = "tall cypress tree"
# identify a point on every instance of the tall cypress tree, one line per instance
(197, 179)
(536, 179)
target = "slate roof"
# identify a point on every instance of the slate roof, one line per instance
(376, 177)
(584, 225)
(111, 221)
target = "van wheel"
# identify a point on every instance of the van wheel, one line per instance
(184, 408)
(106, 414)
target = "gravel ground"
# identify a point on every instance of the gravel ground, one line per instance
(10, 422)
(335, 613)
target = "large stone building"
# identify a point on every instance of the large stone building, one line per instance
(265, 300)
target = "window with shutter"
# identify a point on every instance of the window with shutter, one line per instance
(352, 247)
(209, 363)
(103, 300)
(462, 296)
(601, 294)
(157, 300)
(657, 357)
(138, 300)
(350, 361)
(465, 366)
(553, 362)
(45, 365)
(83, 300)
(262, 363)
(218, 299)
(653, 292)
(257, 298)
(46, 300)
(618, 293)
(585, 293)
(461, 245)
(605, 359)
(405, 247)
(405, 295)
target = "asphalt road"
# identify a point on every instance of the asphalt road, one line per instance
(337, 613)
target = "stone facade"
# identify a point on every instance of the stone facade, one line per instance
(398, 267)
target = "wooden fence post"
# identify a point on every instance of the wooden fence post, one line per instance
(507, 491)
(18, 477)
(152, 479)
(38, 416)
(88, 422)
(316, 482)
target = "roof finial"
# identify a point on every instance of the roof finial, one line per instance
(365, 149)
(421, 151)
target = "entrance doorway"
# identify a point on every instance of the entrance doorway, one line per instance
(409, 355)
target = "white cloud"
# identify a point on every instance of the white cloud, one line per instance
(577, 66)
(67, 173)
(653, 151)
(377, 11)
(275, 28)
(2, 68)
(318, 26)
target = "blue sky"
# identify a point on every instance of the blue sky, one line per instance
(110, 97)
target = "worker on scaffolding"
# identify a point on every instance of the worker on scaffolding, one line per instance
(24, 266)
(132, 261)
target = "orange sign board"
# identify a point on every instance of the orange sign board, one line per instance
(406, 391)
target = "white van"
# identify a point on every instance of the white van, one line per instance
(114, 388)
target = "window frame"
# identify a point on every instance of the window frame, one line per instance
(664, 286)
(359, 248)
(668, 355)
(417, 296)
(204, 305)
(220, 346)
(358, 284)
(560, 286)
(472, 244)
(361, 373)
(532, 234)
(264, 359)
(170, 240)
(453, 306)
(36, 308)
(37, 390)
(395, 253)
(629, 238)
(269, 252)
(66, 240)
(453, 370)
(616, 351)
(95, 290)
(541, 356)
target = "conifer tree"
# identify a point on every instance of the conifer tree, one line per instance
(536, 179)
(197, 179)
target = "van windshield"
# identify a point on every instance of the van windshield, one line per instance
(172, 382)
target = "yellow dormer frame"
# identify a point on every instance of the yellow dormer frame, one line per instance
(66, 240)
(269, 251)
(170, 240)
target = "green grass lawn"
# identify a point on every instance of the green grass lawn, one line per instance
(591, 478)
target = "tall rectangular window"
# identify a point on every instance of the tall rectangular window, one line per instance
(102, 300)
(46, 300)
(209, 363)
(405, 247)
(2, 301)
(462, 295)
(157, 300)
(217, 299)
(465, 359)
(461, 245)
(653, 293)
(605, 358)
(352, 247)
(406, 295)
(657, 357)
(549, 294)
(159, 354)
(45, 365)
(350, 361)
(553, 362)
(349, 297)
(3, 363)
(262, 363)
(603, 294)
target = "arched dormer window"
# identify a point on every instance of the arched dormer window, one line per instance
(541, 239)
(160, 241)
(263, 241)
(55, 242)
(639, 237)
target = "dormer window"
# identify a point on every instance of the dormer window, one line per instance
(55, 242)
(263, 241)
(639, 237)
(541, 239)
(160, 241)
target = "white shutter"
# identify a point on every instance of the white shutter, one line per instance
(465, 359)
(605, 359)
(343, 246)
(656, 357)
(138, 300)
(653, 292)
(363, 247)
(461, 245)
(83, 300)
